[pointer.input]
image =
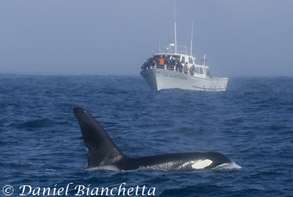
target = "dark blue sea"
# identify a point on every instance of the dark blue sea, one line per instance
(41, 145)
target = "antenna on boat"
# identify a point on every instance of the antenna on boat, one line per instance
(175, 26)
(204, 59)
(191, 39)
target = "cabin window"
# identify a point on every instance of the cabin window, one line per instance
(196, 69)
(190, 60)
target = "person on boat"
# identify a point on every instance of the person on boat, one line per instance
(146, 64)
(173, 64)
(186, 68)
(168, 62)
(179, 66)
(173, 61)
(209, 74)
(192, 70)
(154, 63)
(161, 61)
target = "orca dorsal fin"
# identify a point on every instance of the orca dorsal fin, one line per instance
(101, 149)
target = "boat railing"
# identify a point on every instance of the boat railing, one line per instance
(179, 69)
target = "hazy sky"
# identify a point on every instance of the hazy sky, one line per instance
(240, 37)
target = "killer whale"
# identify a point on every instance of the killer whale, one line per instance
(104, 154)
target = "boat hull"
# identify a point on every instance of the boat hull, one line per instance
(159, 79)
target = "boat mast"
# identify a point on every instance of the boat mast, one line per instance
(175, 26)
(191, 39)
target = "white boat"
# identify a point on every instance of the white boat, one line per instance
(190, 76)
(176, 69)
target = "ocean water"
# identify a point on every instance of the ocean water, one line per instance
(41, 144)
